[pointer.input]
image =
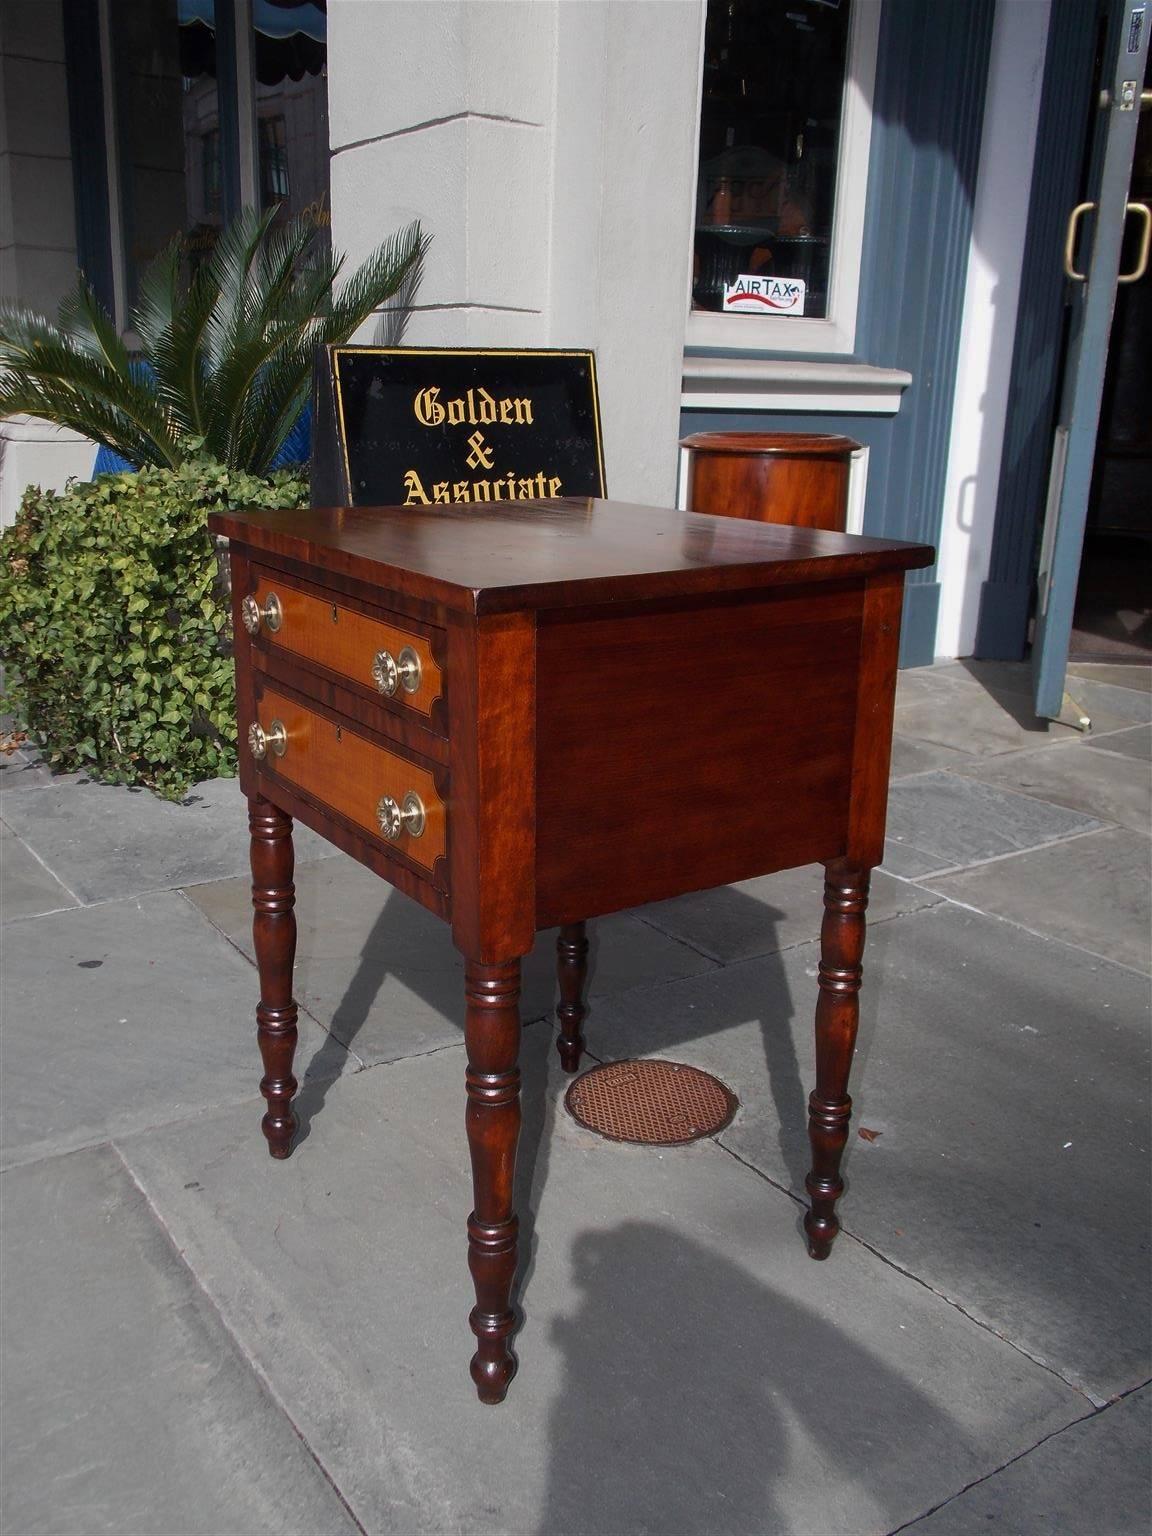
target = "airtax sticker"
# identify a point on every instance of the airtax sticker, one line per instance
(765, 296)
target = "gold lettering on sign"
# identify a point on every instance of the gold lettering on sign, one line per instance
(429, 413)
(475, 408)
(414, 488)
(481, 455)
(508, 487)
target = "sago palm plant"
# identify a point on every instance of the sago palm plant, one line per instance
(225, 359)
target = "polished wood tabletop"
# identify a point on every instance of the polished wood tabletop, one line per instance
(548, 554)
(528, 714)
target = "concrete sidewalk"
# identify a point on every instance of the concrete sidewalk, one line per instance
(199, 1340)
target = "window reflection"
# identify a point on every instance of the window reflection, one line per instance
(773, 91)
(185, 127)
(290, 49)
(168, 118)
(275, 186)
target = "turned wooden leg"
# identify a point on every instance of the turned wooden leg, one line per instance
(492, 1037)
(274, 937)
(572, 971)
(837, 1015)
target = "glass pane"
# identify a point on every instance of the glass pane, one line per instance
(168, 110)
(290, 47)
(769, 133)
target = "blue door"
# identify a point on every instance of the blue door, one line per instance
(1095, 234)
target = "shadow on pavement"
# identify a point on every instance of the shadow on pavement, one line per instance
(693, 1425)
(441, 987)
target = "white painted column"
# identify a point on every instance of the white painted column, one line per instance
(1011, 115)
(549, 148)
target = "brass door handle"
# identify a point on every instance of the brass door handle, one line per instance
(271, 615)
(261, 741)
(396, 819)
(391, 672)
(1141, 266)
(1070, 242)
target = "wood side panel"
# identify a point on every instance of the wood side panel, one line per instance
(771, 488)
(493, 734)
(872, 750)
(679, 751)
(345, 641)
(350, 774)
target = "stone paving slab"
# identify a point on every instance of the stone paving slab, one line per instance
(385, 977)
(993, 676)
(1008, 1079)
(127, 1407)
(1109, 706)
(105, 841)
(1136, 742)
(23, 769)
(26, 887)
(940, 820)
(1122, 674)
(1093, 1477)
(911, 756)
(1111, 696)
(770, 913)
(121, 1016)
(948, 707)
(951, 709)
(1093, 892)
(1108, 786)
(830, 1398)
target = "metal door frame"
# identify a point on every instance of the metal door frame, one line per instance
(1074, 449)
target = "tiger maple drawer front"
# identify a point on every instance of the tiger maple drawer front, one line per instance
(389, 796)
(395, 662)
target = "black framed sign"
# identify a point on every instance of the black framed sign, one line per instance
(409, 426)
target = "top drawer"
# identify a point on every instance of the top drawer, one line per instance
(395, 661)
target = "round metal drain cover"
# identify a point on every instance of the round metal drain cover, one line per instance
(657, 1103)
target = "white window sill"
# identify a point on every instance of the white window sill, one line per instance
(778, 384)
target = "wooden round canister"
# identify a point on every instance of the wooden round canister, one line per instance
(770, 477)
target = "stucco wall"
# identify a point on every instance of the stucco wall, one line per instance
(37, 222)
(37, 225)
(549, 147)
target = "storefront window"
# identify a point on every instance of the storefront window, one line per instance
(290, 53)
(217, 104)
(165, 61)
(770, 140)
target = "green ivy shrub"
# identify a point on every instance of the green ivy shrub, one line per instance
(114, 627)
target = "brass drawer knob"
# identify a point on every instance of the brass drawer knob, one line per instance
(390, 672)
(261, 741)
(396, 819)
(271, 615)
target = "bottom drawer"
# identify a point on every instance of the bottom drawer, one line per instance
(364, 782)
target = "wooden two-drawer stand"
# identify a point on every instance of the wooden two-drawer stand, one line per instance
(528, 714)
